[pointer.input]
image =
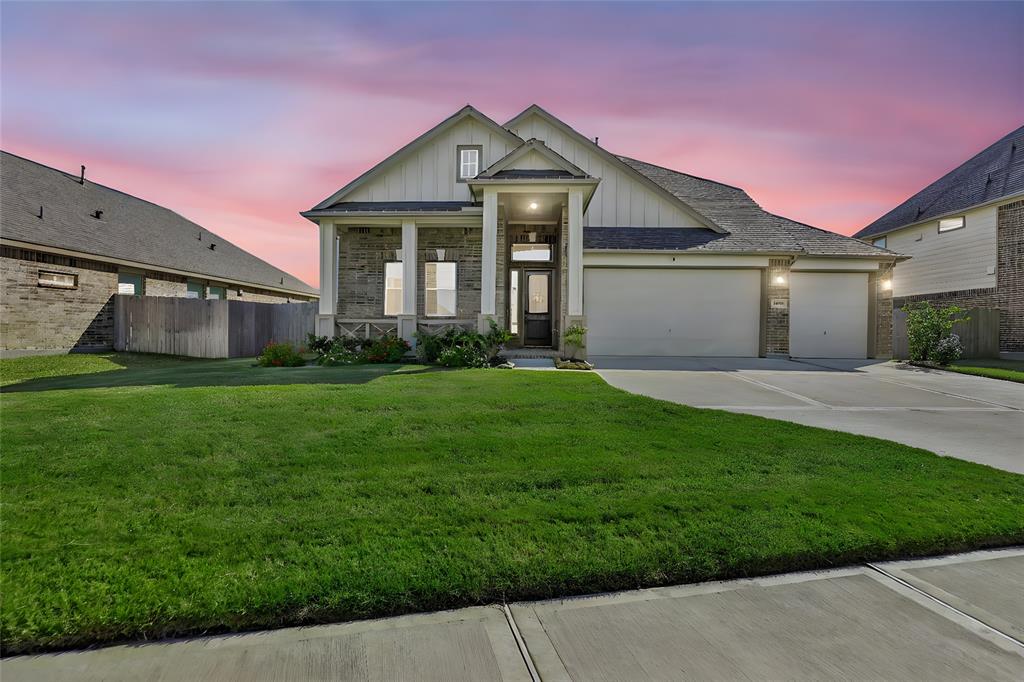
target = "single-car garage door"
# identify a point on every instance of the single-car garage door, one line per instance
(828, 315)
(644, 311)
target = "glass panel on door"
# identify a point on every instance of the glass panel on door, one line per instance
(513, 303)
(538, 293)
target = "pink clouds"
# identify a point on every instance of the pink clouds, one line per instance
(829, 114)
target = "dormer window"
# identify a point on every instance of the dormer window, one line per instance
(468, 159)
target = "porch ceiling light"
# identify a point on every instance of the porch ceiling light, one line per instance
(780, 279)
(533, 205)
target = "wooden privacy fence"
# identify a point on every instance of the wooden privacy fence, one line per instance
(979, 335)
(202, 328)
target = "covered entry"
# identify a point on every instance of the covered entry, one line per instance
(673, 311)
(828, 315)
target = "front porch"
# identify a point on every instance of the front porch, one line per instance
(513, 257)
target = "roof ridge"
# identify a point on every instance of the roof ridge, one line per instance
(689, 175)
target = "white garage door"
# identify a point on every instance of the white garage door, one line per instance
(672, 312)
(828, 315)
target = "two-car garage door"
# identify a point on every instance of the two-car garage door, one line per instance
(649, 311)
(717, 312)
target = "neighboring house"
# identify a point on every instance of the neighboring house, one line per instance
(965, 232)
(68, 245)
(536, 227)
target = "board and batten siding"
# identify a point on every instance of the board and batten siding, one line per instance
(428, 174)
(622, 199)
(950, 261)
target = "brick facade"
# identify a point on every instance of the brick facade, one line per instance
(39, 318)
(777, 318)
(365, 250)
(881, 346)
(1008, 294)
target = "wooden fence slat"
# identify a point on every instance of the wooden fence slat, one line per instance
(979, 334)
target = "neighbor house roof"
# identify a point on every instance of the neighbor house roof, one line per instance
(129, 229)
(995, 173)
(750, 227)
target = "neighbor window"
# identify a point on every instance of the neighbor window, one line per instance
(440, 298)
(469, 161)
(392, 289)
(194, 290)
(531, 252)
(947, 224)
(216, 292)
(58, 280)
(880, 242)
(129, 283)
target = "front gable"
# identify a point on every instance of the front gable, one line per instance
(534, 156)
(624, 198)
(425, 169)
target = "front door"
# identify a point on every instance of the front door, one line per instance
(536, 296)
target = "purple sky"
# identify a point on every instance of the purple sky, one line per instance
(240, 115)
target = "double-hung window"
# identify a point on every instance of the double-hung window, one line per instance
(468, 158)
(129, 283)
(195, 290)
(392, 289)
(440, 298)
(216, 292)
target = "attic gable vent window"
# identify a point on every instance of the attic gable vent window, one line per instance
(468, 161)
(949, 224)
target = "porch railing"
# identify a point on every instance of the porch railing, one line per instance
(366, 329)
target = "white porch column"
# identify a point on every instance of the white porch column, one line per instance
(489, 257)
(575, 253)
(328, 306)
(407, 320)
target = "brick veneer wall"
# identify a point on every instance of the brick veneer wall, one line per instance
(43, 318)
(1008, 294)
(777, 319)
(883, 310)
(364, 251)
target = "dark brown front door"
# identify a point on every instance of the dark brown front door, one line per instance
(537, 308)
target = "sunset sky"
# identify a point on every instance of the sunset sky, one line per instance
(240, 115)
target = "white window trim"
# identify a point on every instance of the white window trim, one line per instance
(468, 162)
(54, 283)
(962, 225)
(399, 289)
(549, 247)
(454, 289)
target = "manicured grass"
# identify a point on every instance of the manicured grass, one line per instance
(1008, 370)
(13, 370)
(211, 496)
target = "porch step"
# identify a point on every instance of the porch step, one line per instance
(523, 353)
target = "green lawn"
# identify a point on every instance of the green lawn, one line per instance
(1008, 370)
(170, 497)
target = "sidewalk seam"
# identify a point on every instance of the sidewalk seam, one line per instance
(935, 599)
(521, 643)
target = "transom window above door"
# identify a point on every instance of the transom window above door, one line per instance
(531, 252)
(468, 158)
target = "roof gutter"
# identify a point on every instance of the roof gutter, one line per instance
(29, 246)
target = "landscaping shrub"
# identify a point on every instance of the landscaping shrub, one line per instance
(319, 344)
(346, 350)
(459, 347)
(948, 350)
(341, 350)
(280, 355)
(386, 349)
(927, 327)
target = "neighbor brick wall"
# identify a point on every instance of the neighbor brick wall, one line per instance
(40, 318)
(1008, 294)
(777, 319)
(170, 286)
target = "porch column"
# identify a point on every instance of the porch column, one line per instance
(489, 257)
(328, 306)
(407, 320)
(575, 253)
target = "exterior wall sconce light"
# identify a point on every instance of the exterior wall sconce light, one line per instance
(440, 254)
(398, 254)
(886, 285)
(780, 280)
(533, 205)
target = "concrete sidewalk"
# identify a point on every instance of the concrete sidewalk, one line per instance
(962, 416)
(950, 618)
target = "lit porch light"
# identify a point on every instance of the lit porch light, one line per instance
(533, 205)
(780, 280)
(886, 285)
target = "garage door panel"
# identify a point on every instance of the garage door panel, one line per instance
(672, 312)
(828, 315)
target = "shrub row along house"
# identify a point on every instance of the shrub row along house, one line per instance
(538, 228)
(69, 245)
(965, 233)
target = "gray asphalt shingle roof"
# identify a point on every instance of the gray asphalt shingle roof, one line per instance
(993, 173)
(751, 228)
(394, 207)
(130, 229)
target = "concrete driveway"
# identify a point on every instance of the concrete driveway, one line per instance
(969, 417)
